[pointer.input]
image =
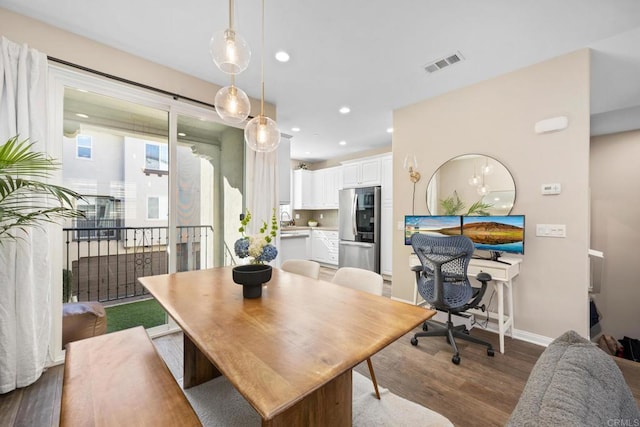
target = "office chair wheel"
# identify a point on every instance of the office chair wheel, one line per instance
(466, 331)
(425, 327)
(455, 359)
(414, 341)
(490, 352)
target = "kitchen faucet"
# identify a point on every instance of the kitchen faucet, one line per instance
(282, 222)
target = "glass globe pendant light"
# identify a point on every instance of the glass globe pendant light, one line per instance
(232, 103)
(230, 52)
(262, 133)
(475, 179)
(483, 189)
(487, 169)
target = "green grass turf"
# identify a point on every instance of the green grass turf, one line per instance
(147, 313)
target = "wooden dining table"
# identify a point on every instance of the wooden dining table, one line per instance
(290, 352)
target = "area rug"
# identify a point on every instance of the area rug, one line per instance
(217, 403)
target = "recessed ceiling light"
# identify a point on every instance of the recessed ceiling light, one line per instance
(182, 134)
(295, 129)
(342, 142)
(282, 56)
(81, 115)
(344, 110)
(307, 152)
(389, 130)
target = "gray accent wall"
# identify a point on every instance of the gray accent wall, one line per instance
(615, 213)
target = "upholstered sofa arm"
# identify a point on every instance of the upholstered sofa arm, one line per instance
(575, 383)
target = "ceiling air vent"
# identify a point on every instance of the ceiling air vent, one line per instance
(441, 63)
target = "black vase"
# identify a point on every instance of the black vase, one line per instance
(252, 277)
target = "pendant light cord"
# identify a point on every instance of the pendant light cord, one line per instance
(231, 14)
(262, 64)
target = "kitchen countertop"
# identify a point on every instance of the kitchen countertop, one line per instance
(306, 227)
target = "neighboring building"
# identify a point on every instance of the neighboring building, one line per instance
(124, 181)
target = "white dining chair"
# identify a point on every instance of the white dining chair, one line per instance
(303, 267)
(366, 281)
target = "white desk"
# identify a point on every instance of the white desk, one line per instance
(502, 277)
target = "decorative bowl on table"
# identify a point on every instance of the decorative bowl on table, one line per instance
(312, 223)
(252, 277)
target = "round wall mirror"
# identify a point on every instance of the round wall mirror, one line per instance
(471, 184)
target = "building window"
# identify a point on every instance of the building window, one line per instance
(84, 147)
(156, 157)
(157, 207)
(102, 218)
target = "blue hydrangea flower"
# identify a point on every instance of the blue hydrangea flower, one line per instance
(241, 246)
(269, 253)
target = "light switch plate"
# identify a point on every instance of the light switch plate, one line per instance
(551, 230)
(553, 188)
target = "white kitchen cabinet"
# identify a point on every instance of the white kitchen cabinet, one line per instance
(361, 173)
(331, 187)
(324, 246)
(386, 240)
(302, 189)
(387, 179)
(316, 189)
(294, 245)
(386, 216)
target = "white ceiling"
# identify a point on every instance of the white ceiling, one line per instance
(369, 55)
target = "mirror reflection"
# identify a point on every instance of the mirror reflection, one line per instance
(471, 184)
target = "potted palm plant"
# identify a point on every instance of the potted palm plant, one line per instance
(26, 199)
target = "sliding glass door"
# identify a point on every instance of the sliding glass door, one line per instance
(116, 155)
(160, 179)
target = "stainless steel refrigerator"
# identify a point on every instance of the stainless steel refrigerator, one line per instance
(360, 228)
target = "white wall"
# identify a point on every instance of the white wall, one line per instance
(88, 53)
(496, 117)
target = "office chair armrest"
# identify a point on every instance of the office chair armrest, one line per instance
(416, 268)
(483, 277)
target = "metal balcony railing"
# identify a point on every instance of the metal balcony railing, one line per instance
(104, 263)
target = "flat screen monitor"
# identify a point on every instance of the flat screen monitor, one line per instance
(445, 225)
(495, 233)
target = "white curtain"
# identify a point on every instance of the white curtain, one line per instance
(25, 268)
(262, 188)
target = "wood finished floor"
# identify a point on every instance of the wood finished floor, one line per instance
(481, 391)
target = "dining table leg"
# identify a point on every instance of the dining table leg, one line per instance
(330, 405)
(197, 368)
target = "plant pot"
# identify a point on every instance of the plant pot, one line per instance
(252, 277)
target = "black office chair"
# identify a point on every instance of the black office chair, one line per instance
(442, 281)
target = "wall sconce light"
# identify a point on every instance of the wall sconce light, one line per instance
(414, 176)
(411, 166)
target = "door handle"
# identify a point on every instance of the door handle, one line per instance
(355, 207)
(359, 244)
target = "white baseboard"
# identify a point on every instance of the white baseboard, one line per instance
(493, 327)
(520, 335)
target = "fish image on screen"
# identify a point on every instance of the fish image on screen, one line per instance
(495, 233)
(445, 225)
